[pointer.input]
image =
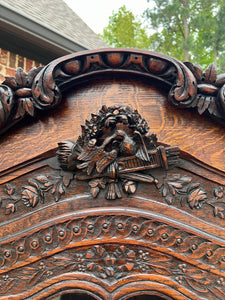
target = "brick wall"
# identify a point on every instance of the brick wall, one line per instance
(9, 62)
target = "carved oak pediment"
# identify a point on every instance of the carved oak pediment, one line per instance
(113, 209)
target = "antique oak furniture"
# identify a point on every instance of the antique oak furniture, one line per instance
(112, 179)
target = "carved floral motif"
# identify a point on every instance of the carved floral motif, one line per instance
(114, 152)
(181, 189)
(34, 192)
(210, 97)
(113, 262)
(16, 98)
(73, 232)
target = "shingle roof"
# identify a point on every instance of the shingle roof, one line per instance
(57, 15)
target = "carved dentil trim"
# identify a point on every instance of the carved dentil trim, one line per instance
(106, 228)
(26, 94)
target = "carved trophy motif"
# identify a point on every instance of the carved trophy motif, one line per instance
(115, 150)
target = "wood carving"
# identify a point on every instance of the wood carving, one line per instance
(113, 262)
(113, 150)
(42, 88)
(113, 213)
(164, 254)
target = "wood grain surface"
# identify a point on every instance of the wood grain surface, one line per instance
(194, 134)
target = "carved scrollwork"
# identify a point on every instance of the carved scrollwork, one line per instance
(41, 88)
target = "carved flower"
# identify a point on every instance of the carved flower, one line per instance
(197, 197)
(30, 196)
(219, 192)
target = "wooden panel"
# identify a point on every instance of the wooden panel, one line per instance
(173, 126)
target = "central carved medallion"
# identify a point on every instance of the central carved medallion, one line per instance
(115, 151)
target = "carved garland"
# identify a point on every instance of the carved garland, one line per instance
(114, 262)
(41, 88)
(109, 227)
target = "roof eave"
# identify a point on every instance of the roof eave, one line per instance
(30, 37)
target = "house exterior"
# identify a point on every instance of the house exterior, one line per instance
(34, 32)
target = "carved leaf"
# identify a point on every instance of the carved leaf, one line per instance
(161, 270)
(203, 103)
(94, 183)
(20, 109)
(42, 179)
(31, 75)
(169, 199)
(21, 77)
(10, 208)
(9, 189)
(196, 198)
(28, 106)
(6, 103)
(195, 69)
(210, 74)
(219, 212)
(66, 178)
(198, 285)
(94, 191)
(35, 277)
(11, 82)
(219, 192)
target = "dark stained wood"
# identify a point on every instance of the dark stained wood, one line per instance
(97, 205)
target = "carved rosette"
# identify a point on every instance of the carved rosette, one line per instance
(42, 87)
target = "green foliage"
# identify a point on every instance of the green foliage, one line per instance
(188, 29)
(124, 30)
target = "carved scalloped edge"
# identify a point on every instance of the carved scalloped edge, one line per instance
(78, 231)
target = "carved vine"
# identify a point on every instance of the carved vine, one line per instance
(110, 263)
(109, 227)
(35, 191)
(181, 189)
